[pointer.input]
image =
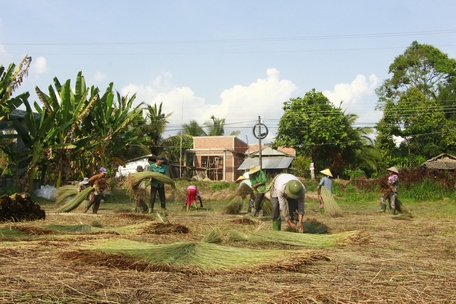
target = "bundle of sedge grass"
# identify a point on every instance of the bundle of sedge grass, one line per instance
(244, 190)
(75, 201)
(134, 180)
(64, 193)
(200, 255)
(301, 239)
(234, 206)
(330, 205)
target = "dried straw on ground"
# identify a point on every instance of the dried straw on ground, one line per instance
(331, 207)
(64, 193)
(76, 201)
(304, 240)
(200, 256)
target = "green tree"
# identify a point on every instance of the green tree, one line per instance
(417, 104)
(319, 131)
(69, 108)
(216, 127)
(193, 128)
(155, 127)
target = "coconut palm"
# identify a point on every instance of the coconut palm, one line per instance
(215, 127)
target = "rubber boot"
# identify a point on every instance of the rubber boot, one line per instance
(276, 225)
(394, 211)
(322, 210)
(383, 208)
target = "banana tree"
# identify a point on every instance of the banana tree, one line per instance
(111, 121)
(69, 109)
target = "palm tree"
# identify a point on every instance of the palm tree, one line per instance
(156, 123)
(193, 129)
(215, 127)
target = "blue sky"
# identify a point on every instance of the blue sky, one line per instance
(237, 60)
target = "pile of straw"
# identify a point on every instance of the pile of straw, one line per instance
(204, 256)
(330, 204)
(300, 239)
(76, 201)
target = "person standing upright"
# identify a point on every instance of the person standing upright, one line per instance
(391, 195)
(327, 182)
(258, 180)
(157, 186)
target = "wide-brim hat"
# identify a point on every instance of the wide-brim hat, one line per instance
(326, 172)
(393, 169)
(103, 169)
(240, 178)
(139, 168)
(161, 158)
(85, 181)
(254, 169)
(294, 189)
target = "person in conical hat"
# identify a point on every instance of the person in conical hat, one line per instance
(286, 188)
(326, 181)
(391, 195)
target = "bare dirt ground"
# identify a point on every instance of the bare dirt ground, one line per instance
(407, 260)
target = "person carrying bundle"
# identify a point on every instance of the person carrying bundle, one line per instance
(326, 181)
(286, 188)
(258, 180)
(391, 195)
(156, 186)
(99, 184)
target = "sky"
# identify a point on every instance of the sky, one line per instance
(239, 60)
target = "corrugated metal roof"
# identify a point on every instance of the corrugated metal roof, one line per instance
(278, 162)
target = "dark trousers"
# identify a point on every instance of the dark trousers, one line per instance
(161, 194)
(292, 208)
(259, 201)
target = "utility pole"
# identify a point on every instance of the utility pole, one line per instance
(259, 142)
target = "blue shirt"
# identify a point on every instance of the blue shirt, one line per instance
(327, 182)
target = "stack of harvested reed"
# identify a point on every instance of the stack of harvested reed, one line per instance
(304, 240)
(134, 180)
(202, 256)
(234, 206)
(75, 201)
(64, 193)
(330, 204)
(213, 237)
(244, 190)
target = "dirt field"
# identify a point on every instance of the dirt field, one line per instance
(406, 260)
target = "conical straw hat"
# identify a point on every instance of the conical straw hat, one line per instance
(326, 172)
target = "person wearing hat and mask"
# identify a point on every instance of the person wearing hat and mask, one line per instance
(99, 184)
(258, 180)
(156, 186)
(286, 188)
(391, 195)
(327, 182)
(84, 184)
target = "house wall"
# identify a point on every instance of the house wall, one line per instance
(221, 155)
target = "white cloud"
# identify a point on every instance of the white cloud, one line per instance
(240, 105)
(39, 65)
(99, 77)
(354, 92)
